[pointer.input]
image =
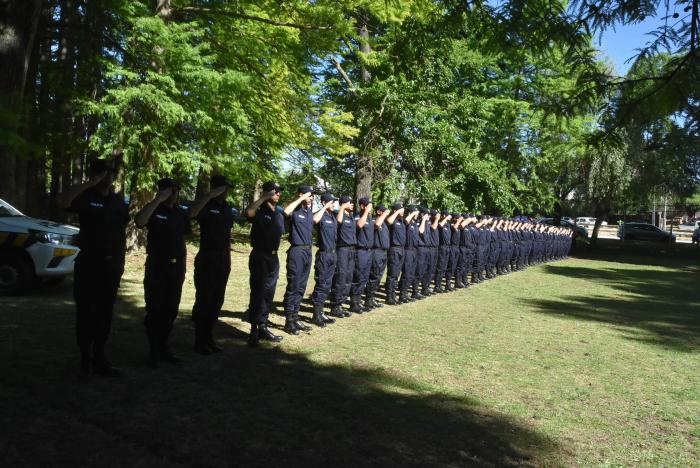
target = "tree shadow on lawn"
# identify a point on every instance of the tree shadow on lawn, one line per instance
(242, 407)
(651, 306)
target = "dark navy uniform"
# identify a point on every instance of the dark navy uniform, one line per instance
(324, 266)
(423, 259)
(363, 256)
(443, 254)
(298, 258)
(379, 260)
(410, 261)
(165, 273)
(397, 241)
(345, 261)
(455, 257)
(263, 263)
(212, 267)
(98, 267)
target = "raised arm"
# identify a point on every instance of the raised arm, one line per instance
(289, 209)
(202, 201)
(142, 217)
(341, 212)
(363, 219)
(253, 207)
(393, 216)
(319, 214)
(381, 218)
(71, 194)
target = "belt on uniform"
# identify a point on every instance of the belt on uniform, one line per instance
(351, 247)
(267, 252)
(396, 247)
(364, 248)
(306, 246)
(380, 249)
(327, 250)
(410, 249)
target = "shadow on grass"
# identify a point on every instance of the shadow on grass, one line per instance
(659, 307)
(639, 252)
(243, 407)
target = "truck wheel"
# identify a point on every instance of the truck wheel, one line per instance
(16, 275)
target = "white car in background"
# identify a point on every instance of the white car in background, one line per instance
(33, 249)
(588, 221)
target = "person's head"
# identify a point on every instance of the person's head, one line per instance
(220, 181)
(350, 205)
(379, 210)
(457, 217)
(364, 202)
(327, 198)
(271, 186)
(303, 190)
(434, 214)
(169, 183)
(102, 166)
(397, 207)
(412, 211)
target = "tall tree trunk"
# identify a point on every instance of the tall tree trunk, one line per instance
(365, 163)
(18, 26)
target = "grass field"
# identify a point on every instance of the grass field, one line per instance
(581, 362)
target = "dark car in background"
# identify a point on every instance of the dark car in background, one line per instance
(643, 232)
(582, 231)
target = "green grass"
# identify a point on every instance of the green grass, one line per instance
(580, 362)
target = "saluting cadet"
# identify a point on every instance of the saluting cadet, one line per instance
(212, 265)
(444, 250)
(455, 257)
(345, 257)
(167, 225)
(301, 225)
(265, 234)
(423, 254)
(324, 266)
(397, 240)
(363, 254)
(408, 270)
(420, 222)
(379, 257)
(103, 217)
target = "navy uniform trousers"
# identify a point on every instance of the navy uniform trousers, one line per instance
(211, 272)
(379, 261)
(264, 270)
(298, 269)
(344, 270)
(363, 267)
(408, 271)
(324, 270)
(95, 283)
(162, 285)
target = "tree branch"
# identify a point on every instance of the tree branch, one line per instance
(237, 14)
(345, 76)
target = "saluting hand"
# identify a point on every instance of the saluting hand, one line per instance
(164, 194)
(217, 191)
(368, 208)
(306, 196)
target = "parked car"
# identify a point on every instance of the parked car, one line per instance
(568, 219)
(582, 231)
(588, 221)
(33, 249)
(645, 232)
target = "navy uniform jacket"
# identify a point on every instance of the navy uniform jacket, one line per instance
(301, 225)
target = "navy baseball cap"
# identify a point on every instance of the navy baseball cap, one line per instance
(270, 186)
(345, 199)
(445, 212)
(326, 197)
(219, 181)
(167, 182)
(396, 206)
(381, 207)
(304, 189)
(364, 201)
(456, 215)
(433, 212)
(424, 210)
(412, 208)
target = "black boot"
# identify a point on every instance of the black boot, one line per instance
(264, 333)
(317, 318)
(254, 337)
(403, 297)
(375, 304)
(416, 292)
(356, 304)
(299, 324)
(290, 326)
(368, 305)
(337, 311)
(391, 292)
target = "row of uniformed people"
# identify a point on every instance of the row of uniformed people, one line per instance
(415, 246)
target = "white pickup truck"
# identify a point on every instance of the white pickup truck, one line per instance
(33, 249)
